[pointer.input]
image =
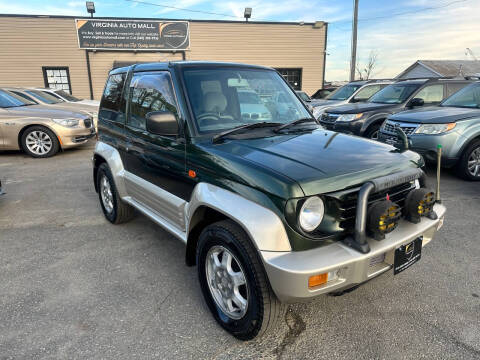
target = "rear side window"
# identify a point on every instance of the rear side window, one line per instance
(367, 92)
(454, 87)
(431, 94)
(112, 106)
(150, 92)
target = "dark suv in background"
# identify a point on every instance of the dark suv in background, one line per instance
(365, 119)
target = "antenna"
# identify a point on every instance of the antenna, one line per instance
(469, 51)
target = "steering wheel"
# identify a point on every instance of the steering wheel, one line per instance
(212, 118)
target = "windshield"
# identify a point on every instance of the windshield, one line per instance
(8, 99)
(343, 92)
(225, 98)
(468, 97)
(66, 95)
(394, 94)
(44, 97)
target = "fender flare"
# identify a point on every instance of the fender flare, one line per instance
(374, 119)
(114, 161)
(264, 227)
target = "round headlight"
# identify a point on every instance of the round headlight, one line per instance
(311, 214)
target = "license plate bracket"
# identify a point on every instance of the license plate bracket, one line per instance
(407, 255)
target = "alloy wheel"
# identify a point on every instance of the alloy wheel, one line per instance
(374, 135)
(106, 193)
(226, 281)
(38, 142)
(474, 162)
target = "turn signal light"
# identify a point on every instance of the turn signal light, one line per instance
(383, 217)
(419, 202)
(317, 280)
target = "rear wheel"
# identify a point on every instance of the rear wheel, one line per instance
(114, 209)
(39, 142)
(469, 165)
(234, 283)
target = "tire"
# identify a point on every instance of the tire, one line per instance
(470, 157)
(114, 209)
(263, 310)
(39, 142)
(372, 132)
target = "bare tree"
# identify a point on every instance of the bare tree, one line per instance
(365, 72)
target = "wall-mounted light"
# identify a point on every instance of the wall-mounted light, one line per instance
(247, 14)
(90, 7)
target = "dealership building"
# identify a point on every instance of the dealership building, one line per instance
(75, 53)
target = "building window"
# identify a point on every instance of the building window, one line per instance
(293, 77)
(57, 78)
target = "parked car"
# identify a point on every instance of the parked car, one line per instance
(40, 131)
(305, 98)
(44, 98)
(454, 124)
(353, 92)
(67, 97)
(324, 92)
(251, 106)
(365, 119)
(266, 209)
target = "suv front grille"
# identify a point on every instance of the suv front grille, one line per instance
(347, 203)
(389, 127)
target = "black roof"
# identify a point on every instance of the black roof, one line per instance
(184, 63)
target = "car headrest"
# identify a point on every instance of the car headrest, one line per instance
(215, 102)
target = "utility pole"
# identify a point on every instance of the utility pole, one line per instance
(353, 60)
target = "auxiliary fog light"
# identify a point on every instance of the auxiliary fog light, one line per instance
(419, 202)
(320, 279)
(382, 218)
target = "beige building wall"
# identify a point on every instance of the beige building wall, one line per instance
(28, 43)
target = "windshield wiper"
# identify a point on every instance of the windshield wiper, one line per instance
(293, 123)
(241, 127)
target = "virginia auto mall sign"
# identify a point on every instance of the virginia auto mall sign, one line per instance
(139, 35)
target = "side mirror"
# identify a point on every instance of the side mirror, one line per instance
(162, 123)
(416, 102)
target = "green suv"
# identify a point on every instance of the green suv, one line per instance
(271, 212)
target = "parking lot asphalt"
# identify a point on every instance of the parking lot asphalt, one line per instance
(73, 286)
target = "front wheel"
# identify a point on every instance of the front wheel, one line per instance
(39, 142)
(372, 132)
(469, 165)
(234, 283)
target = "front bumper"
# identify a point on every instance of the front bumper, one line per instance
(75, 136)
(289, 272)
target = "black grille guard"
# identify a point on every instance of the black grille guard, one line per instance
(359, 239)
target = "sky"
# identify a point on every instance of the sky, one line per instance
(399, 32)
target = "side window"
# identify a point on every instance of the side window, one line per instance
(112, 106)
(367, 92)
(454, 87)
(431, 94)
(150, 92)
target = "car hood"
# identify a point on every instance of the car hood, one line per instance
(321, 161)
(45, 111)
(74, 106)
(325, 103)
(95, 103)
(436, 115)
(359, 108)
